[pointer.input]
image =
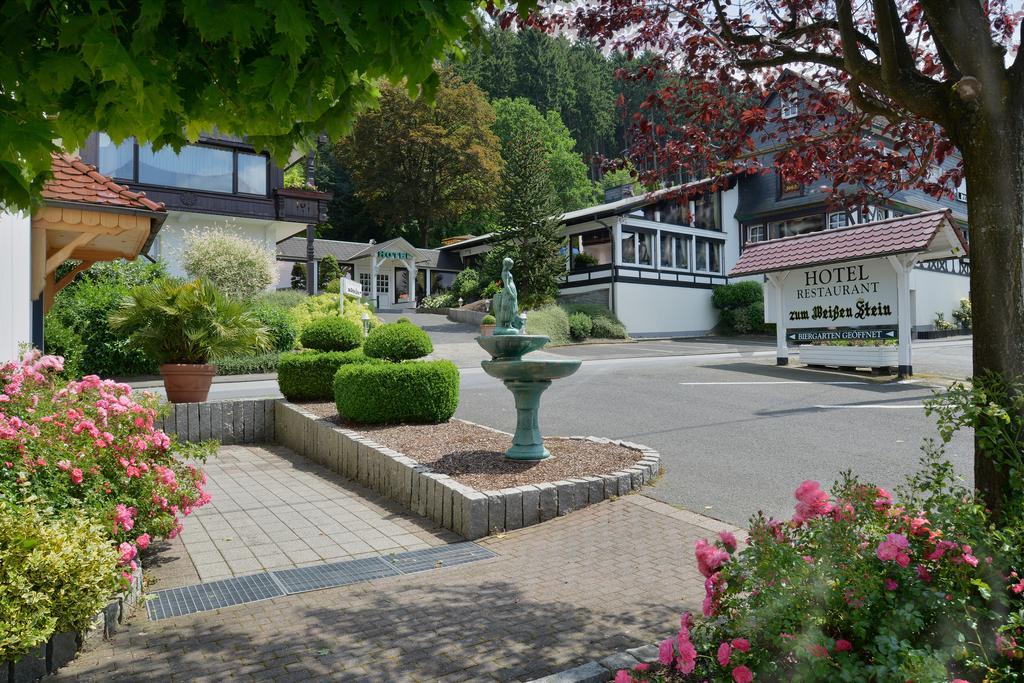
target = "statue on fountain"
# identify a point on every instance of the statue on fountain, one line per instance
(505, 305)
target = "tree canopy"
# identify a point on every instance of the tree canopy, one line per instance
(420, 167)
(280, 73)
(565, 167)
(889, 94)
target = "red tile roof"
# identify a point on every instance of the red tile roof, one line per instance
(867, 240)
(76, 181)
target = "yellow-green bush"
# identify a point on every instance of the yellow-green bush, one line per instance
(55, 575)
(323, 305)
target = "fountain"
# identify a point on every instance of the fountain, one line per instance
(526, 379)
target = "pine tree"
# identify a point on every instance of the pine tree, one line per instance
(530, 232)
(328, 271)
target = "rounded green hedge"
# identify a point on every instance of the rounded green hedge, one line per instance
(310, 376)
(332, 333)
(580, 326)
(397, 342)
(417, 392)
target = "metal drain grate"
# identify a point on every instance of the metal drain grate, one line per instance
(440, 556)
(201, 597)
(302, 579)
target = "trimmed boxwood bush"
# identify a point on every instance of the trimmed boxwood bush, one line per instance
(310, 376)
(397, 342)
(417, 392)
(333, 333)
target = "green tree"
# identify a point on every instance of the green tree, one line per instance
(327, 271)
(530, 232)
(566, 169)
(347, 216)
(553, 74)
(279, 72)
(420, 168)
(299, 276)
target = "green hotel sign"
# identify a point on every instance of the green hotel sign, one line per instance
(400, 255)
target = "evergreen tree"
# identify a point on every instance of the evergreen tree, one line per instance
(299, 276)
(530, 232)
(327, 271)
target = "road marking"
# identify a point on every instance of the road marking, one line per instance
(785, 381)
(873, 406)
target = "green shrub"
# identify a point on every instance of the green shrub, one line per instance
(466, 285)
(941, 323)
(490, 290)
(580, 326)
(488, 320)
(442, 300)
(392, 393)
(963, 315)
(248, 365)
(55, 574)
(552, 321)
(737, 294)
(605, 324)
(397, 342)
(84, 306)
(311, 308)
(238, 267)
(61, 340)
(285, 299)
(332, 333)
(332, 286)
(280, 326)
(328, 271)
(309, 376)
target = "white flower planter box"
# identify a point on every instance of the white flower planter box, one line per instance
(851, 356)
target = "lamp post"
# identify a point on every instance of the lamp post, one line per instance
(460, 302)
(366, 322)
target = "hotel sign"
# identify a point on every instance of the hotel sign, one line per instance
(400, 255)
(852, 294)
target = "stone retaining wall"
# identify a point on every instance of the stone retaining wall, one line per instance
(62, 647)
(230, 422)
(468, 512)
(461, 315)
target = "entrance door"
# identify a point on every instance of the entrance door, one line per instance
(401, 288)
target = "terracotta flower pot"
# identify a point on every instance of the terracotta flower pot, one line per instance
(486, 330)
(187, 383)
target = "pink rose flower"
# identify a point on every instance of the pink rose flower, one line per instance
(142, 541)
(623, 677)
(76, 476)
(127, 551)
(741, 644)
(709, 558)
(742, 674)
(728, 540)
(666, 652)
(843, 645)
(883, 500)
(724, 653)
(894, 547)
(687, 660)
(923, 574)
(891, 584)
(811, 502)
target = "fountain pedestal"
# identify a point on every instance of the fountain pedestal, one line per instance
(526, 379)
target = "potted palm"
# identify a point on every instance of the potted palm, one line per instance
(184, 326)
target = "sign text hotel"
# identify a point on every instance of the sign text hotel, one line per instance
(854, 294)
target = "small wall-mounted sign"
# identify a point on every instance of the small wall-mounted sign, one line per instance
(400, 255)
(842, 334)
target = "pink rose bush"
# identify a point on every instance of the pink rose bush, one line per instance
(858, 585)
(89, 447)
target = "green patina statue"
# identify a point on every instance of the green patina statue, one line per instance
(505, 305)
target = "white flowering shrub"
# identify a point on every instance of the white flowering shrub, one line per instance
(236, 266)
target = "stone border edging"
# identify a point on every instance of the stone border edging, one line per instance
(62, 647)
(467, 511)
(604, 670)
(230, 422)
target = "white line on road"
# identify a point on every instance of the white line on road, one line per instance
(784, 381)
(874, 406)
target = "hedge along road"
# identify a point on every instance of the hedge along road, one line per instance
(736, 434)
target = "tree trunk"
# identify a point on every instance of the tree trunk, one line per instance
(993, 153)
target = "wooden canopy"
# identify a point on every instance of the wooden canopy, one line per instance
(86, 217)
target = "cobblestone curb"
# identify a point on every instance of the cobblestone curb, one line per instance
(62, 647)
(468, 512)
(604, 670)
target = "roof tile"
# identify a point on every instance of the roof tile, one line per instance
(76, 181)
(867, 240)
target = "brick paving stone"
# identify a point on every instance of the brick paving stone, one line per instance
(577, 588)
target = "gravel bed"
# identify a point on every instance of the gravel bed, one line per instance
(475, 455)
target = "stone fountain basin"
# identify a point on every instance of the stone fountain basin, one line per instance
(530, 370)
(512, 345)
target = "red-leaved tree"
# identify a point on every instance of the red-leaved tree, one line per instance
(890, 89)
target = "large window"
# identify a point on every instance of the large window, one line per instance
(638, 247)
(706, 211)
(675, 251)
(195, 167)
(591, 248)
(702, 211)
(708, 255)
(797, 226)
(839, 219)
(364, 282)
(440, 281)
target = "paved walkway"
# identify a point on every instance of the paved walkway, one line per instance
(611, 576)
(272, 509)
